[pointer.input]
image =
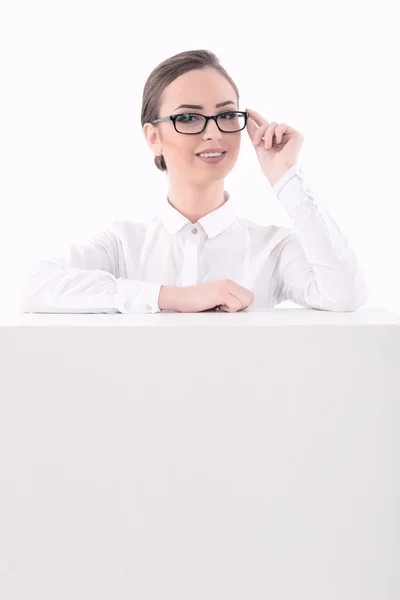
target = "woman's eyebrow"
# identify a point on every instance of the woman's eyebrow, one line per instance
(199, 106)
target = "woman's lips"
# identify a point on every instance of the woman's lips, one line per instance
(212, 160)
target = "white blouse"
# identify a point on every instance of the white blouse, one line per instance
(122, 268)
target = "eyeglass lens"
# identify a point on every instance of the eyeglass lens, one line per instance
(194, 123)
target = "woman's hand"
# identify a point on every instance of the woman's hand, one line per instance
(224, 294)
(277, 145)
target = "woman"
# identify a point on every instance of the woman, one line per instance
(198, 254)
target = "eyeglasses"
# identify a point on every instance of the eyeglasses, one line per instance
(193, 123)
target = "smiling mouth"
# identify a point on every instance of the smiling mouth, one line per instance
(224, 152)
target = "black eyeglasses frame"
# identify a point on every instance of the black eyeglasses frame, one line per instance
(207, 118)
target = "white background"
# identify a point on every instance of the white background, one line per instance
(73, 157)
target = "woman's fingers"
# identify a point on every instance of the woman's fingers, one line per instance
(269, 135)
(259, 134)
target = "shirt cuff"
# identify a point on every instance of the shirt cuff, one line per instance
(134, 296)
(292, 189)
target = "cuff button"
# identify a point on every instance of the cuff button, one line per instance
(299, 171)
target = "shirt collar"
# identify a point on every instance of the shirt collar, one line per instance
(214, 223)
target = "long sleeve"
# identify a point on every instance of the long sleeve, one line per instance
(316, 266)
(87, 281)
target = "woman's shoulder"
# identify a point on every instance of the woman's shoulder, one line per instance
(269, 229)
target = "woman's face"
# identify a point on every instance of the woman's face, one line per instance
(205, 87)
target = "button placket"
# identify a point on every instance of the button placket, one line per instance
(190, 257)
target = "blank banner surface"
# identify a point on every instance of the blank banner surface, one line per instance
(218, 456)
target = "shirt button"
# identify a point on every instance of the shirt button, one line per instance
(148, 307)
(194, 230)
(127, 304)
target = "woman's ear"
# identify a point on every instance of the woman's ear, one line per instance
(152, 138)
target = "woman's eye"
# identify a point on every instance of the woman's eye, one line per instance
(229, 115)
(185, 118)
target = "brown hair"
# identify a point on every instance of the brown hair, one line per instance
(165, 73)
